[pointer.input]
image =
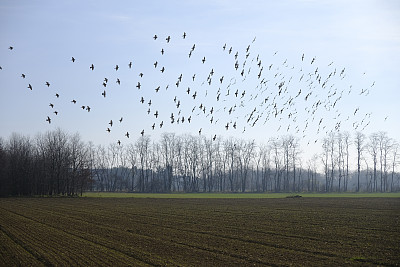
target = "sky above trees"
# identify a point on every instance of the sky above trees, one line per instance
(354, 47)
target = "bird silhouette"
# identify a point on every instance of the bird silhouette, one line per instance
(73, 59)
(92, 67)
(48, 119)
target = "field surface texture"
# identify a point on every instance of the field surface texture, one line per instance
(199, 232)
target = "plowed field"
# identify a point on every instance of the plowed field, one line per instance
(199, 232)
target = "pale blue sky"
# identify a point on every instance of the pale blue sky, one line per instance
(361, 36)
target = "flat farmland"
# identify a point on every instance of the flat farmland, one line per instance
(199, 232)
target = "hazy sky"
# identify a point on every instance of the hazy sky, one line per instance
(355, 46)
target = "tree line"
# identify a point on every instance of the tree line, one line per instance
(59, 163)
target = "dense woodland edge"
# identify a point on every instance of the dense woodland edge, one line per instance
(59, 163)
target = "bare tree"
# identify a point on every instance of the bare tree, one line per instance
(245, 157)
(359, 142)
(325, 162)
(373, 150)
(132, 154)
(142, 147)
(394, 163)
(346, 140)
(276, 148)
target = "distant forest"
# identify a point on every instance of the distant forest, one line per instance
(60, 163)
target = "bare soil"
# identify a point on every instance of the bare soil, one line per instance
(199, 232)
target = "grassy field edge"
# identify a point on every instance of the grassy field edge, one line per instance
(237, 195)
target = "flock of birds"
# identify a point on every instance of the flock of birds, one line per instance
(249, 94)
